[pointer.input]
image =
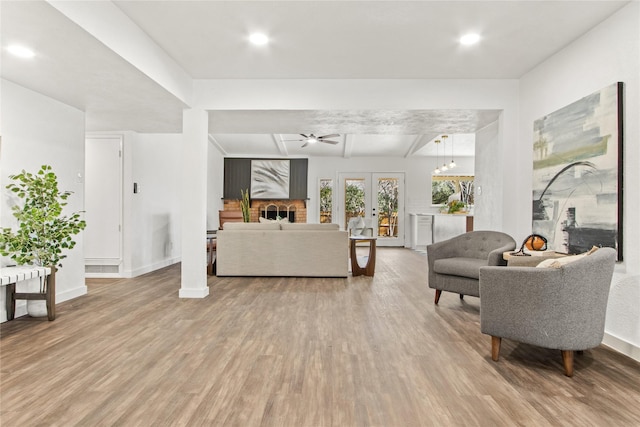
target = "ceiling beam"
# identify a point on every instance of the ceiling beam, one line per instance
(419, 143)
(415, 145)
(348, 146)
(112, 27)
(282, 148)
(217, 145)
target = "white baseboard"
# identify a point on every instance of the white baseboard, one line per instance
(103, 275)
(71, 294)
(149, 268)
(193, 293)
(622, 346)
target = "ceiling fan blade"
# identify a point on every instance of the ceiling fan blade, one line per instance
(329, 142)
(333, 135)
(304, 145)
(305, 136)
(292, 140)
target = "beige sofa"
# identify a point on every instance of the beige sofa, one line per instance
(282, 249)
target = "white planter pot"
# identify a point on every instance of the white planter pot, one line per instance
(37, 308)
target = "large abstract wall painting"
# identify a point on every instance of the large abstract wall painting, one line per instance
(577, 174)
(270, 179)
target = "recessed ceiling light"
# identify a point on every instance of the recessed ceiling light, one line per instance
(469, 39)
(21, 51)
(259, 39)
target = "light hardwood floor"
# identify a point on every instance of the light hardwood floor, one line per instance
(295, 352)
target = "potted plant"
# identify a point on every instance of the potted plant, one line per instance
(43, 232)
(455, 206)
(245, 204)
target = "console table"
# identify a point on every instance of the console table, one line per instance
(9, 276)
(370, 265)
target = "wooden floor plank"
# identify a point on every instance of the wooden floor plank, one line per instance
(360, 351)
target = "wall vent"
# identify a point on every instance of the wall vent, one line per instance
(101, 269)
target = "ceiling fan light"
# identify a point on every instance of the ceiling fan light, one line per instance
(469, 39)
(259, 39)
(21, 51)
(312, 140)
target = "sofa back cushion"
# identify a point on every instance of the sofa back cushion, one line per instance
(251, 226)
(308, 227)
(479, 244)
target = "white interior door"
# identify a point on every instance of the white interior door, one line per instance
(378, 198)
(103, 204)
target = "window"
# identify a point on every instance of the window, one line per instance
(444, 186)
(326, 200)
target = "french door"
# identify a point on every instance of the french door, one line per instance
(376, 197)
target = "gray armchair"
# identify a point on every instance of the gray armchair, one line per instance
(454, 264)
(559, 308)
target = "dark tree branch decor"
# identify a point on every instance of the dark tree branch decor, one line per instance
(43, 232)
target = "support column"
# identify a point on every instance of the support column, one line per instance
(195, 128)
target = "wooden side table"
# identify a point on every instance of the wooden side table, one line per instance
(370, 265)
(535, 258)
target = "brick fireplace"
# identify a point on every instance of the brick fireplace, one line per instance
(295, 208)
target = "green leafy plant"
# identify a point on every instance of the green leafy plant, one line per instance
(455, 206)
(245, 204)
(43, 232)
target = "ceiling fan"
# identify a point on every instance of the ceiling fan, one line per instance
(312, 139)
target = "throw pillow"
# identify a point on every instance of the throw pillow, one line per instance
(266, 220)
(560, 262)
(546, 263)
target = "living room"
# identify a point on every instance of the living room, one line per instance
(41, 126)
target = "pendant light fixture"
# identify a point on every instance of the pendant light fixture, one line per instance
(452, 164)
(437, 169)
(444, 153)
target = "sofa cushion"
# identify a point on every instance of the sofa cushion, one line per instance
(267, 220)
(464, 267)
(311, 227)
(250, 226)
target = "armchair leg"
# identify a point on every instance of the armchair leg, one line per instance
(461, 296)
(495, 348)
(567, 362)
(438, 293)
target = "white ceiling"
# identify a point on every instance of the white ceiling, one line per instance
(310, 39)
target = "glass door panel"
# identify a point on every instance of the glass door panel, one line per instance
(354, 199)
(389, 190)
(379, 199)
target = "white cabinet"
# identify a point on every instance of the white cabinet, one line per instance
(421, 230)
(446, 226)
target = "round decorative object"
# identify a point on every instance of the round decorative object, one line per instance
(37, 308)
(536, 243)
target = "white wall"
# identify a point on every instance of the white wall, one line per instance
(153, 226)
(607, 54)
(215, 180)
(488, 182)
(38, 130)
(151, 232)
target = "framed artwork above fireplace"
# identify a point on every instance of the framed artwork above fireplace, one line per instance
(270, 179)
